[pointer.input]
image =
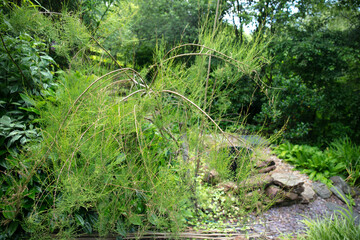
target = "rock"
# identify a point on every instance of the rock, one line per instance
(281, 197)
(229, 186)
(339, 211)
(292, 196)
(272, 191)
(341, 184)
(211, 177)
(355, 191)
(340, 194)
(321, 189)
(256, 182)
(288, 182)
(275, 192)
(308, 194)
(250, 195)
(267, 169)
(264, 164)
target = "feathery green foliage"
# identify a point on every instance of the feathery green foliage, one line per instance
(111, 158)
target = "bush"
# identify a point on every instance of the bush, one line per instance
(26, 72)
(348, 153)
(111, 155)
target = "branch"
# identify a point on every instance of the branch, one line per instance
(203, 112)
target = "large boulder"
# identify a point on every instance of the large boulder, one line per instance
(339, 194)
(341, 184)
(308, 194)
(321, 189)
(281, 197)
(289, 182)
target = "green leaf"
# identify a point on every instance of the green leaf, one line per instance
(14, 138)
(23, 140)
(153, 219)
(9, 212)
(12, 228)
(18, 125)
(28, 100)
(135, 219)
(79, 219)
(312, 175)
(32, 193)
(120, 158)
(8, 24)
(48, 58)
(120, 228)
(2, 152)
(87, 227)
(47, 75)
(5, 120)
(30, 109)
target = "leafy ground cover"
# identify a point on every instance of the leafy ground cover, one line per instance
(341, 158)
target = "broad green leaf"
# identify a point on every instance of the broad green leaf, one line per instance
(12, 228)
(9, 212)
(30, 109)
(48, 58)
(47, 75)
(5, 120)
(18, 125)
(23, 140)
(15, 132)
(312, 175)
(28, 100)
(15, 138)
(79, 219)
(32, 193)
(87, 227)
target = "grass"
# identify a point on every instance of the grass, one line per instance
(335, 228)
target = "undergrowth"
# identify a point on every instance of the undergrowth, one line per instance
(122, 153)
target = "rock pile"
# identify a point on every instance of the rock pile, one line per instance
(279, 188)
(282, 188)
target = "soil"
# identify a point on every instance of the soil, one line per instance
(287, 221)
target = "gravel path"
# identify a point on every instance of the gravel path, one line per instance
(287, 220)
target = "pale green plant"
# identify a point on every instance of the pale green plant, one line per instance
(112, 162)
